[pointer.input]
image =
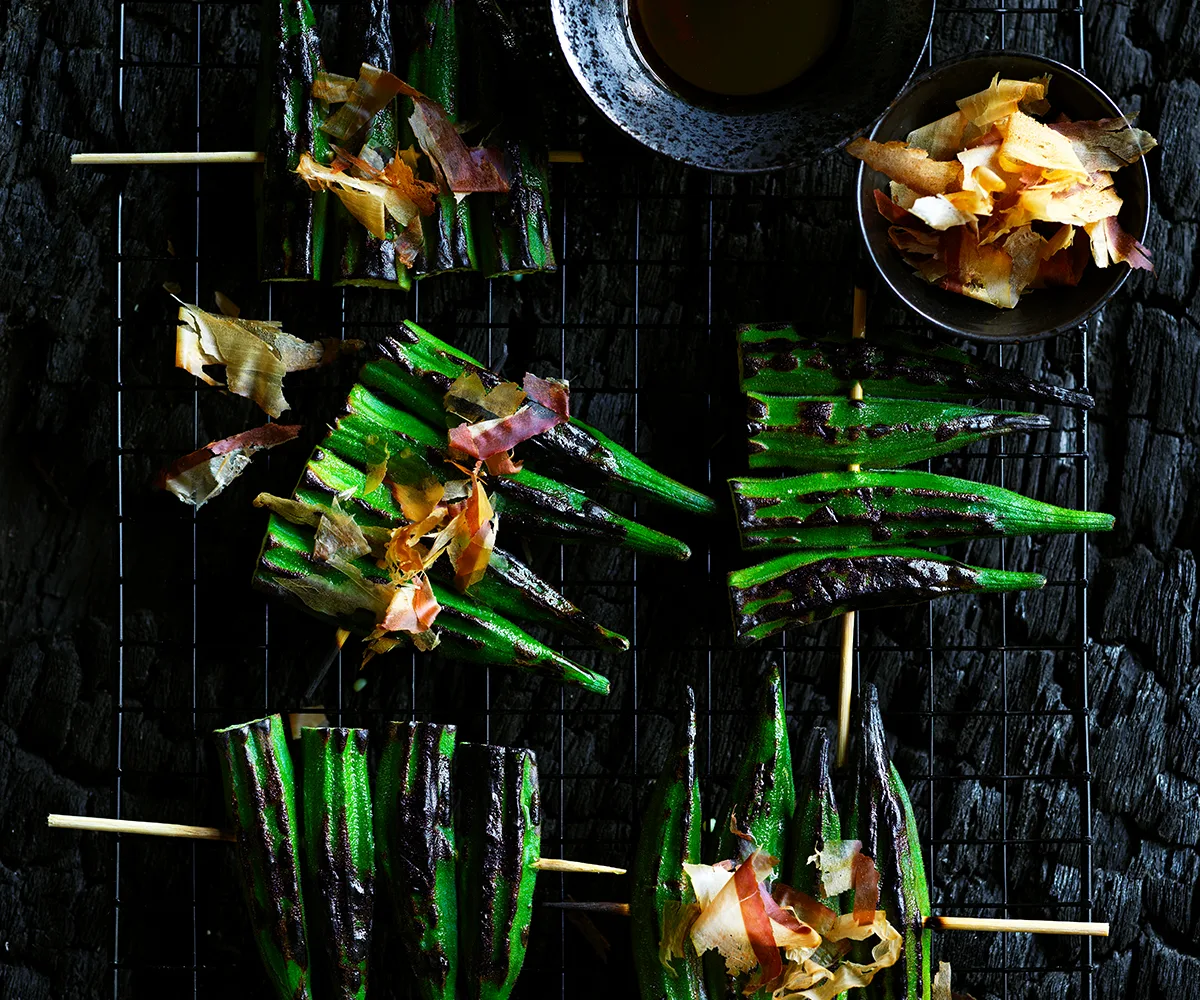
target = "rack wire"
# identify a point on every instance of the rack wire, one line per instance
(987, 698)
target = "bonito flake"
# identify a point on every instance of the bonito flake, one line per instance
(979, 200)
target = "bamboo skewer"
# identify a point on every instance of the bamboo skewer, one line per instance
(224, 156)
(986, 924)
(858, 331)
(102, 824)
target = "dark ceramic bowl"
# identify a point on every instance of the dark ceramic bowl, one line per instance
(876, 52)
(1041, 313)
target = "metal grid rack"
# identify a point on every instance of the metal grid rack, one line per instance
(657, 264)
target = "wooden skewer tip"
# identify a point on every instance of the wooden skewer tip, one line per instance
(102, 824)
(583, 867)
(1001, 925)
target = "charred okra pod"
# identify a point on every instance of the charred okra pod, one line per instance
(520, 219)
(670, 836)
(423, 369)
(808, 586)
(815, 823)
(500, 835)
(339, 852)
(881, 817)
(468, 629)
(780, 359)
(291, 217)
(260, 799)
(416, 848)
(813, 432)
(871, 509)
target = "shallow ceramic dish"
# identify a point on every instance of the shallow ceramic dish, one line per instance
(876, 52)
(1041, 313)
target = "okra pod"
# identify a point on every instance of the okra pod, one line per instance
(291, 217)
(416, 847)
(872, 509)
(813, 432)
(435, 70)
(468, 629)
(423, 369)
(339, 852)
(529, 501)
(670, 836)
(500, 835)
(366, 260)
(881, 817)
(809, 586)
(777, 358)
(260, 799)
(519, 220)
(815, 823)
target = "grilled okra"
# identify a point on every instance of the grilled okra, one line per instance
(260, 798)
(416, 848)
(815, 823)
(339, 852)
(780, 359)
(811, 585)
(291, 217)
(423, 369)
(881, 817)
(468, 629)
(520, 221)
(500, 838)
(670, 836)
(872, 509)
(814, 432)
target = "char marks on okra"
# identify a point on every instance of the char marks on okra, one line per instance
(501, 827)
(670, 836)
(815, 823)
(418, 856)
(776, 358)
(260, 799)
(423, 369)
(339, 852)
(807, 586)
(828, 510)
(291, 217)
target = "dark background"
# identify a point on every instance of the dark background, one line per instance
(128, 630)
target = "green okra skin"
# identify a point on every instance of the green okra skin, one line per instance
(828, 510)
(670, 836)
(882, 819)
(763, 797)
(519, 221)
(291, 217)
(815, 823)
(468, 629)
(417, 849)
(366, 260)
(777, 358)
(807, 586)
(422, 369)
(500, 835)
(435, 69)
(339, 852)
(531, 502)
(815, 432)
(260, 799)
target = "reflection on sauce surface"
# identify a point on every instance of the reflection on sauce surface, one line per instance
(738, 47)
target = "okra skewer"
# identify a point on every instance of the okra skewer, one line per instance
(416, 846)
(499, 830)
(778, 358)
(291, 217)
(670, 836)
(421, 369)
(872, 509)
(339, 852)
(815, 432)
(468, 629)
(260, 798)
(364, 259)
(807, 586)
(881, 818)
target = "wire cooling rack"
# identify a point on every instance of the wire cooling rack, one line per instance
(987, 698)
